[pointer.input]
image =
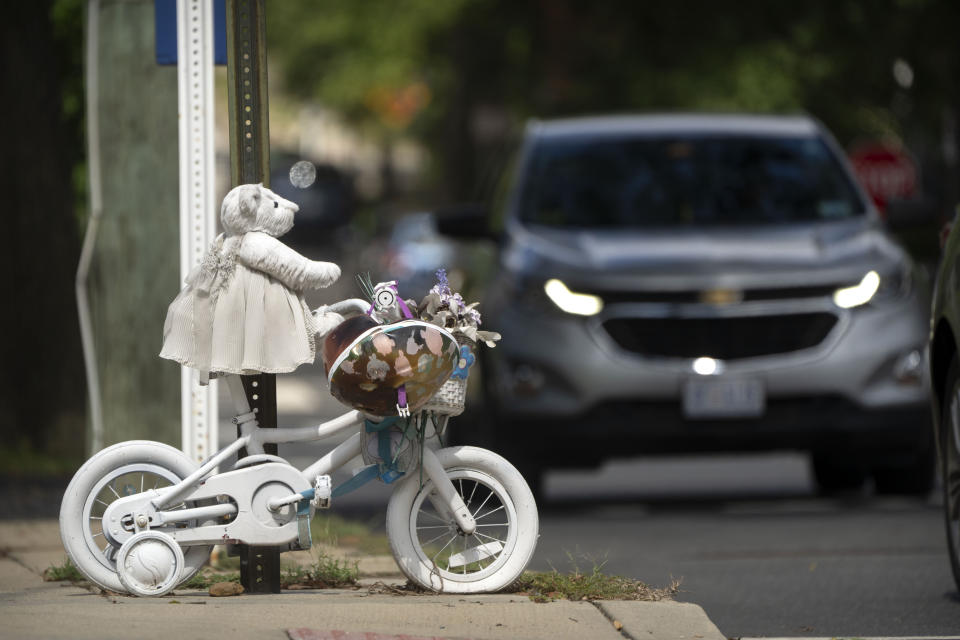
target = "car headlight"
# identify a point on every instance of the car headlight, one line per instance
(581, 304)
(858, 294)
(873, 287)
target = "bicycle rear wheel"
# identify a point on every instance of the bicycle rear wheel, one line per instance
(123, 469)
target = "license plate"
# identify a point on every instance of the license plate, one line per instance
(723, 398)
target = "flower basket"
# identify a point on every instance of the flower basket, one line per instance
(447, 309)
(451, 397)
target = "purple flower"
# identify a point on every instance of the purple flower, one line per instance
(443, 285)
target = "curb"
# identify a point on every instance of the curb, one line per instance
(34, 609)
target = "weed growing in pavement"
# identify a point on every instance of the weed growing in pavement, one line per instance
(61, 572)
(325, 573)
(592, 585)
(205, 578)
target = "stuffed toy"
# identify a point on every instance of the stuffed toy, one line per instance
(242, 310)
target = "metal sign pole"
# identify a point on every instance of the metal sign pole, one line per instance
(198, 404)
(250, 163)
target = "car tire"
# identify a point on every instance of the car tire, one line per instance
(835, 475)
(532, 471)
(950, 465)
(914, 479)
(471, 428)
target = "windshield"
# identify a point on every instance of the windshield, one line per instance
(676, 182)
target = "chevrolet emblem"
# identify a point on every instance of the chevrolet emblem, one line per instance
(721, 296)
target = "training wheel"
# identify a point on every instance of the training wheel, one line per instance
(150, 563)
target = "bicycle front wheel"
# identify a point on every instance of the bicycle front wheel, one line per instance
(430, 548)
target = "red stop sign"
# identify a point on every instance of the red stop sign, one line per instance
(887, 173)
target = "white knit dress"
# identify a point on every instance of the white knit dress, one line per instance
(242, 311)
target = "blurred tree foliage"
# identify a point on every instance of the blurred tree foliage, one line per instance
(467, 59)
(458, 76)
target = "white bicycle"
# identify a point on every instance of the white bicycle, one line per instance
(141, 517)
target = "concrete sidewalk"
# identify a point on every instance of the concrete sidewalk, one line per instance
(32, 608)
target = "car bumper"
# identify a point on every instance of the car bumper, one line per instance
(852, 387)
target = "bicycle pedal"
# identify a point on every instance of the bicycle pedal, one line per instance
(304, 539)
(322, 490)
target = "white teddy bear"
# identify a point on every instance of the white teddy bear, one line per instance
(242, 310)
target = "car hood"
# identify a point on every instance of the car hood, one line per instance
(801, 254)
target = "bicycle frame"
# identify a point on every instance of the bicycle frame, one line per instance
(152, 508)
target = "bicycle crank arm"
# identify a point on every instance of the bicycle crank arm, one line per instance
(449, 497)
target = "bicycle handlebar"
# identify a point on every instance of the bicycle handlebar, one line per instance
(348, 307)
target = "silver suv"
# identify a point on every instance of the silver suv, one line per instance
(693, 283)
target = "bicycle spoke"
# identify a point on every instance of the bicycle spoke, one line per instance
(475, 485)
(141, 483)
(489, 512)
(102, 502)
(463, 555)
(482, 504)
(491, 538)
(110, 486)
(434, 516)
(492, 558)
(442, 549)
(433, 539)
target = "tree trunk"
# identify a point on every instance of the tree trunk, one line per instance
(135, 272)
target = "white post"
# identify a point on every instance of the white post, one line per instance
(198, 404)
(90, 237)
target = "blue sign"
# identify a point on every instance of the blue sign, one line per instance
(165, 18)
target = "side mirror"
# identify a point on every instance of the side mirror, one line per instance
(465, 222)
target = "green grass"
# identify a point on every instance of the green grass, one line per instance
(63, 572)
(204, 578)
(325, 573)
(592, 585)
(364, 537)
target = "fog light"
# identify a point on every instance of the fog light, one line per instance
(908, 369)
(706, 366)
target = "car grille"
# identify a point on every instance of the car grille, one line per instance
(747, 295)
(724, 338)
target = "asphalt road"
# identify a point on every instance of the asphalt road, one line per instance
(755, 548)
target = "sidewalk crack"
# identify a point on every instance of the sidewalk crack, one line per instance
(8, 554)
(606, 614)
